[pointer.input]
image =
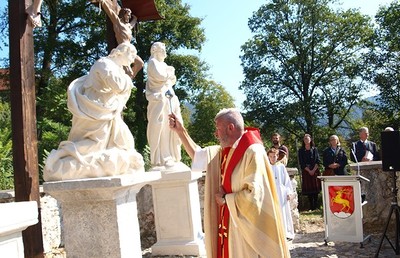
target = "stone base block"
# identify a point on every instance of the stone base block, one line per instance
(177, 215)
(14, 218)
(179, 248)
(100, 214)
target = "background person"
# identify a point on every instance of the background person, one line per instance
(363, 149)
(309, 164)
(283, 150)
(334, 158)
(285, 190)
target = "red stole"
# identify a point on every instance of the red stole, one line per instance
(252, 136)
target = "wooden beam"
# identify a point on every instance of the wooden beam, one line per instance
(23, 115)
(110, 35)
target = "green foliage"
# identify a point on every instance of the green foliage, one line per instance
(71, 39)
(211, 98)
(303, 65)
(6, 158)
(6, 165)
(53, 102)
(177, 30)
(51, 134)
(73, 36)
(146, 158)
(385, 65)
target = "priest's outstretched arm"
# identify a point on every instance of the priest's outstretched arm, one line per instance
(187, 141)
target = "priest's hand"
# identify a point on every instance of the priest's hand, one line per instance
(174, 123)
(220, 197)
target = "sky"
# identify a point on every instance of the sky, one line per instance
(226, 29)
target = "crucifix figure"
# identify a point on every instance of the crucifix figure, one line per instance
(34, 14)
(123, 23)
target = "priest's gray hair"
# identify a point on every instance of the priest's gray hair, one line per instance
(231, 115)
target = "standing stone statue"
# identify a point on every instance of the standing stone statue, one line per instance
(165, 145)
(99, 143)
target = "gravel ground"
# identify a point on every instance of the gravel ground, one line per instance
(309, 242)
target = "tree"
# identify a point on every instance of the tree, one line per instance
(303, 66)
(212, 98)
(67, 45)
(385, 64)
(6, 165)
(71, 40)
(73, 37)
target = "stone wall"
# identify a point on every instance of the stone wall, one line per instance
(52, 226)
(146, 217)
(378, 193)
(294, 202)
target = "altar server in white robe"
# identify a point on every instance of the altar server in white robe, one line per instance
(285, 190)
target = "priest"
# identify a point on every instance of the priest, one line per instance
(241, 208)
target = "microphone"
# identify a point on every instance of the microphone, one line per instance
(363, 195)
(355, 158)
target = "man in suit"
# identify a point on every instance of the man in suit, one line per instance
(363, 149)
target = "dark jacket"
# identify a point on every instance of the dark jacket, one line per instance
(359, 150)
(310, 160)
(339, 156)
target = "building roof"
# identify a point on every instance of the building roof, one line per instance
(4, 79)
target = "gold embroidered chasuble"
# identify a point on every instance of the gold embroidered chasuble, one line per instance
(255, 226)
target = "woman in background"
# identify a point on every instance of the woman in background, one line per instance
(334, 158)
(309, 164)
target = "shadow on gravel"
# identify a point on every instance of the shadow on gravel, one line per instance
(313, 245)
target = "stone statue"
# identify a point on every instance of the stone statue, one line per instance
(165, 145)
(123, 23)
(99, 143)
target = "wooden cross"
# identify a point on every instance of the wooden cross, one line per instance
(23, 115)
(23, 108)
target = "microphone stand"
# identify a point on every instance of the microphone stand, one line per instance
(355, 158)
(394, 208)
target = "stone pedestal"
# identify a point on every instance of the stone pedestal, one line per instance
(14, 218)
(100, 214)
(294, 201)
(177, 214)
